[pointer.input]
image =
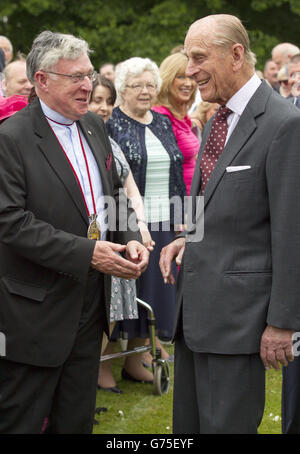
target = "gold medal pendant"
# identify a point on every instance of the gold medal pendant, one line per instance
(94, 232)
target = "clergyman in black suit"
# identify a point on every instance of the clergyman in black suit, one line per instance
(238, 288)
(57, 249)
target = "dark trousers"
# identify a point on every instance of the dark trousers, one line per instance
(63, 397)
(291, 397)
(217, 394)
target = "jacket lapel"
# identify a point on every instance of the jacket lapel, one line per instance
(55, 156)
(241, 134)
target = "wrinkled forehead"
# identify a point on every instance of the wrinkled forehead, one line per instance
(199, 36)
(81, 64)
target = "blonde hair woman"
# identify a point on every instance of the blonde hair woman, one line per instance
(176, 96)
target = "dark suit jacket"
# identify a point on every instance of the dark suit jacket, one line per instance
(44, 253)
(245, 272)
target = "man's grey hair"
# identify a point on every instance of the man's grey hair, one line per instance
(49, 47)
(134, 67)
(228, 30)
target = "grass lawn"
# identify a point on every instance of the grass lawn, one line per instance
(138, 411)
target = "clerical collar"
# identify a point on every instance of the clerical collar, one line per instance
(54, 116)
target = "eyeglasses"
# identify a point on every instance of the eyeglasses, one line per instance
(75, 78)
(139, 87)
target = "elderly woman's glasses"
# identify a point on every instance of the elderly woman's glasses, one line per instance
(75, 78)
(139, 87)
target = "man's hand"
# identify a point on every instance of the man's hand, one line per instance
(107, 260)
(138, 254)
(173, 251)
(276, 347)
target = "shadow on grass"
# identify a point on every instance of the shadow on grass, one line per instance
(139, 411)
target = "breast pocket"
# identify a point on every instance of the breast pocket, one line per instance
(241, 175)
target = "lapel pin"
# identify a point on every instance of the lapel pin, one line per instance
(90, 133)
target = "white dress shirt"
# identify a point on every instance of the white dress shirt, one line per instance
(67, 132)
(239, 101)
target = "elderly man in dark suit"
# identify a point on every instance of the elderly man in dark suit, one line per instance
(291, 374)
(238, 288)
(57, 250)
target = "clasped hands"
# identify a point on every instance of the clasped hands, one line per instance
(107, 259)
(276, 346)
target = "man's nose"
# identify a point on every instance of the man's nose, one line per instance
(190, 69)
(87, 84)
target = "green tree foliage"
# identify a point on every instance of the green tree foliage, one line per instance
(119, 29)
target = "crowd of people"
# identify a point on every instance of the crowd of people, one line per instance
(156, 133)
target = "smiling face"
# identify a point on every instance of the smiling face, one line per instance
(182, 89)
(102, 103)
(140, 94)
(217, 71)
(62, 94)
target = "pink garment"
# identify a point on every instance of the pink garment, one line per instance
(187, 141)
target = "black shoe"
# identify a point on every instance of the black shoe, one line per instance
(113, 389)
(127, 376)
(98, 410)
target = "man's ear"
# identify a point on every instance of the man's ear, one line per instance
(41, 80)
(238, 56)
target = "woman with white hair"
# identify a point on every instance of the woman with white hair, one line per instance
(148, 142)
